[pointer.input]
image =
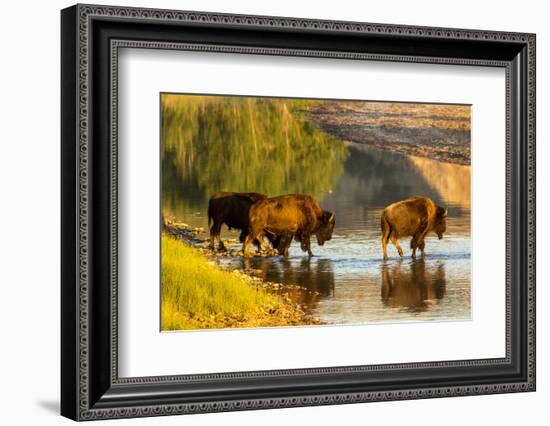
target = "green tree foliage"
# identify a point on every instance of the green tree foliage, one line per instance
(220, 143)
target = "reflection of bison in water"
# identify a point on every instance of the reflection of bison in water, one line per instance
(232, 209)
(316, 278)
(414, 217)
(293, 215)
(413, 286)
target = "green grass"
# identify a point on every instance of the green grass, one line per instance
(198, 294)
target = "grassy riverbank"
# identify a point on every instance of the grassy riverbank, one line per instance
(197, 294)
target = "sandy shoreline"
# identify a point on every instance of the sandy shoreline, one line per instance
(439, 132)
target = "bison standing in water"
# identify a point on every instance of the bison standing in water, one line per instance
(232, 209)
(414, 217)
(289, 216)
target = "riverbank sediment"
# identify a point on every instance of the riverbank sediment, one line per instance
(199, 294)
(437, 131)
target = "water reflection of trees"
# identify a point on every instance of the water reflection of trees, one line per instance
(413, 285)
(378, 178)
(373, 179)
(215, 143)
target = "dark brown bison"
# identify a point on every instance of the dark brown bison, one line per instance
(414, 217)
(232, 209)
(290, 216)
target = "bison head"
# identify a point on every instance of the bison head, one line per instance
(325, 227)
(440, 225)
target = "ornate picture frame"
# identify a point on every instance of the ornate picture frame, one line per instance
(91, 37)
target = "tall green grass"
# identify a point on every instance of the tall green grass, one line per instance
(198, 294)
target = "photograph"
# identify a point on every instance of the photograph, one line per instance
(278, 212)
(346, 210)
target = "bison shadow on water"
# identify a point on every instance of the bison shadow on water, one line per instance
(413, 286)
(316, 279)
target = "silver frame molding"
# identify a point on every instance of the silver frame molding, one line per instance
(91, 388)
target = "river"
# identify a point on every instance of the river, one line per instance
(347, 281)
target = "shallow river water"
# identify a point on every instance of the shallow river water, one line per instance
(347, 280)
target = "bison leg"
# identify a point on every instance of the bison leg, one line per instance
(215, 234)
(284, 244)
(418, 242)
(256, 239)
(305, 243)
(421, 246)
(418, 239)
(242, 238)
(261, 240)
(285, 251)
(279, 242)
(274, 239)
(385, 237)
(414, 245)
(249, 238)
(396, 244)
(212, 239)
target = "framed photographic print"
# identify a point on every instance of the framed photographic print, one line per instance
(263, 212)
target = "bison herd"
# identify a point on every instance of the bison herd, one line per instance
(298, 217)
(280, 219)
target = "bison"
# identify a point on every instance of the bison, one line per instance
(414, 217)
(232, 209)
(289, 216)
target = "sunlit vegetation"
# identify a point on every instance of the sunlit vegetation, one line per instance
(197, 294)
(222, 143)
(355, 158)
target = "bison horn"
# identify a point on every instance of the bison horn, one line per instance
(445, 213)
(331, 218)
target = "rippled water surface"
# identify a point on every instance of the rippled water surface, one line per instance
(347, 281)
